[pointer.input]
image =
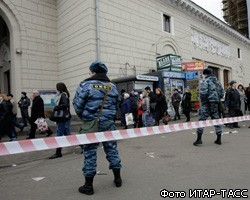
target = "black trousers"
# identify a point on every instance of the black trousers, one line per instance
(33, 131)
(187, 114)
(25, 115)
(176, 109)
(232, 113)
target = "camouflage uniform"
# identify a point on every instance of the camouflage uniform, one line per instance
(87, 103)
(211, 92)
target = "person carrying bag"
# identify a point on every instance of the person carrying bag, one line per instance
(61, 114)
(92, 126)
(91, 93)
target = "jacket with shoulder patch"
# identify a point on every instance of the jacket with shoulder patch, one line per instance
(211, 90)
(89, 97)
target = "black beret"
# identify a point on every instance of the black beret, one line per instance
(98, 67)
(208, 71)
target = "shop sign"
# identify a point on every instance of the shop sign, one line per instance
(170, 62)
(147, 78)
(191, 75)
(173, 74)
(193, 66)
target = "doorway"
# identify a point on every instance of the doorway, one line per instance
(7, 82)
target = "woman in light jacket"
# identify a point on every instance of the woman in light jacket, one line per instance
(126, 108)
(62, 103)
(146, 109)
(243, 98)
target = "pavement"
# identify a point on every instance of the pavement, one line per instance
(150, 165)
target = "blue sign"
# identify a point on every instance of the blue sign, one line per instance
(190, 75)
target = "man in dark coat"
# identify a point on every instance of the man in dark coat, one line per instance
(24, 104)
(176, 99)
(37, 111)
(232, 102)
(186, 104)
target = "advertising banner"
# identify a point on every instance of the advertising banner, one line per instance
(193, 66)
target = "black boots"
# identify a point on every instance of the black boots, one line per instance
(218, 141)
(87, 188)
(198, 141)
(58, 154)
(117, 175)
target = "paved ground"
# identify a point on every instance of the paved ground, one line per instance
(150, 164)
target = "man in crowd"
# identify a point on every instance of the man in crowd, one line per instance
(24, 104)
(232, 102)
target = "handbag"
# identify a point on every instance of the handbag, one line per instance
(60, 115)
(92, 125)
(166, 119)
(129, 119)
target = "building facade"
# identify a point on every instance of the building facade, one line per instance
(43, 42)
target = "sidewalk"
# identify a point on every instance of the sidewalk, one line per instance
(75, 126)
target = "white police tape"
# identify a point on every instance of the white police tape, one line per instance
(22, 146)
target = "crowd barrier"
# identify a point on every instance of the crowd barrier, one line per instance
(23, 146)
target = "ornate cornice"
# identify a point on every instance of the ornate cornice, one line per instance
(202, 14)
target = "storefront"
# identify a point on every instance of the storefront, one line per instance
(136, 83)
(171, 71)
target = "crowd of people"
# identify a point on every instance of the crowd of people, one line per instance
(149, 108)
(96, 102)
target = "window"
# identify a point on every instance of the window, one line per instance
(239, 53)
(166, 23)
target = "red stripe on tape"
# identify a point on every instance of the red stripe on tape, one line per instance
(150, 130)
(109, 135)
(3, 150)
(51, 142)
(124, 134)
(171, 127)
(92, 138)
(72, 139)
(27, 145)
(138, 132)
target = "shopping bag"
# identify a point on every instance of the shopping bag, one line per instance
(41, 124)
(150, 120)
(129, 119)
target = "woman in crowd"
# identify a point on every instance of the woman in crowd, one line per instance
(186, 104)
(161, 106)
(243, 98)
(140, 112)
(126, 108)
(62, 103)
(146, 109)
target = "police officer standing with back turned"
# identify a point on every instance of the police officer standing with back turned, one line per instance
(211, 92)
(87, 103)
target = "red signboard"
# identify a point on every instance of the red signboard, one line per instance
(193, 66)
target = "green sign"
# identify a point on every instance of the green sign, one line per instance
(169, 62)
